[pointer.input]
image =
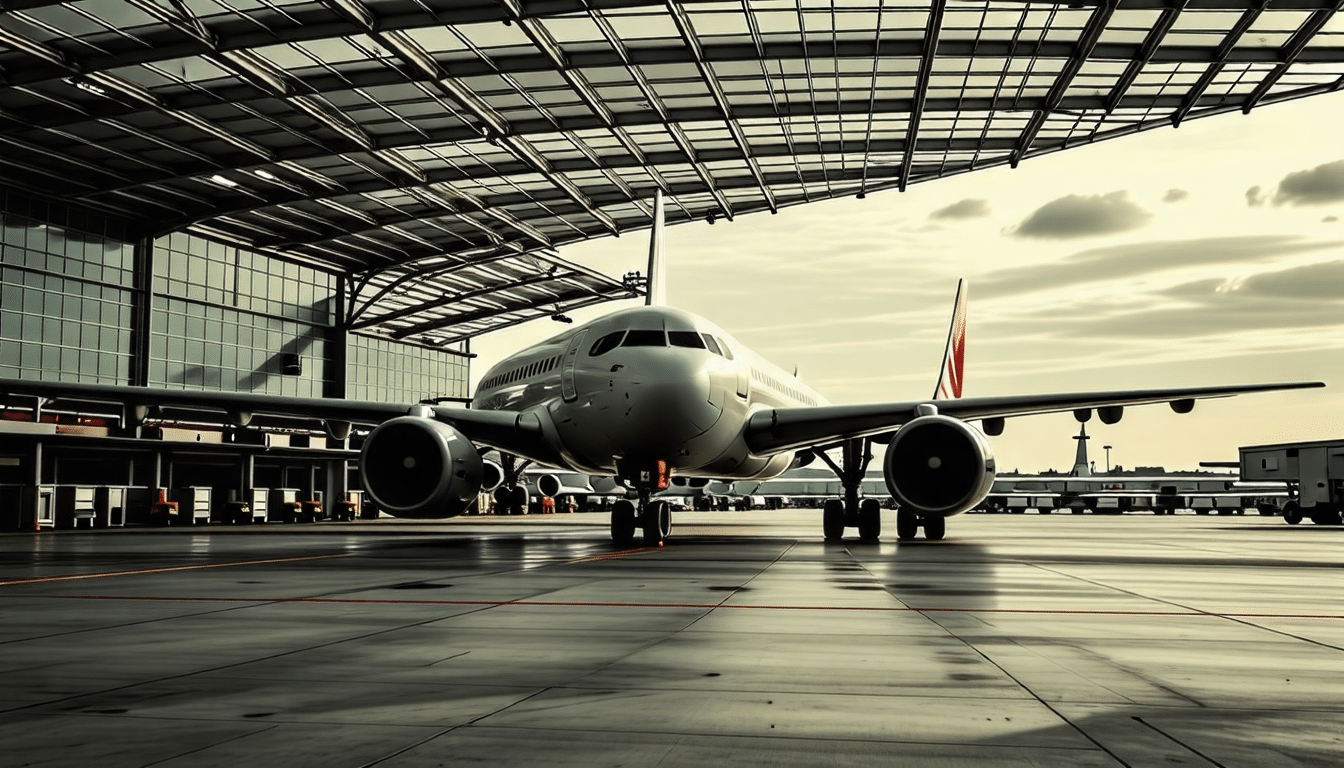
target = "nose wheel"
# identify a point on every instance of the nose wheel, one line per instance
(623, 522)
(653, 519)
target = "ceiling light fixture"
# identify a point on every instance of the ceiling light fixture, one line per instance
(90, 87)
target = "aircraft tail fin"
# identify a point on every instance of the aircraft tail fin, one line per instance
(950, 377)
(654, 291)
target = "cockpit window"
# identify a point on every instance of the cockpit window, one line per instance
(711, 344)
(727, 351)
(645, 339)
(686, 339)
(605, 344)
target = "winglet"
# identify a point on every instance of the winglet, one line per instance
(654, 292)
(950, 377)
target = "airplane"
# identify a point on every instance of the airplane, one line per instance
(650, 393)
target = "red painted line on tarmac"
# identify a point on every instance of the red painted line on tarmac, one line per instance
(75, 577)
(613, 556)
(707, 606)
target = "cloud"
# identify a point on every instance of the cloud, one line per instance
(1329, 219)
(1311, 282)
(1101, 264)
(1255, 197)
(1318, 186)
(1301, 299)
(970, 208)
(1083, 216)
(1175, 195)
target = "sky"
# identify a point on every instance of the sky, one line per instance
(1209, 254)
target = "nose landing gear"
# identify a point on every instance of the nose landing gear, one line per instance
(652, 518)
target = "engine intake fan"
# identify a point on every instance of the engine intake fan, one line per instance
(420, 468)
(937, 465)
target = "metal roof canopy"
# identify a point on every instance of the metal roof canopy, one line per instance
(438, 151)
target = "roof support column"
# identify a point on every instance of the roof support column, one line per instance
(336, 382)
(142, 310)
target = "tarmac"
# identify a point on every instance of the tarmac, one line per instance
(746, 640)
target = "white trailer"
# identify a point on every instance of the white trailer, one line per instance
(1313, 470)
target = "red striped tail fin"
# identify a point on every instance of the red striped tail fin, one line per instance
(950, 377)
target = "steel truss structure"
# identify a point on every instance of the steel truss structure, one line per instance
(436, 152)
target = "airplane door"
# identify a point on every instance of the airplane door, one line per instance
(568, 390)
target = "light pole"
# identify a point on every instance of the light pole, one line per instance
(1108, 458)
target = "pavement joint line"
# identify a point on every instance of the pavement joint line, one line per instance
(147, 571)
(1168, 736)
(699, 606)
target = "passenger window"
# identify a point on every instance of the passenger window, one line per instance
(711, 344)
(686, 339)
(605, 344)
(645, 339)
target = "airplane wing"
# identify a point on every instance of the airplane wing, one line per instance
(781, 429)
(512, 432)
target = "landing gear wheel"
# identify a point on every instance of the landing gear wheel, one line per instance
(657, 522)
(1329, 517)
(870, 520)
(907, 524)
(1292, 513)
(935, 527)
(833, 520)
(622, 522)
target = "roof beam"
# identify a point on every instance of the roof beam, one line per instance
(687, 115)
(1224, 50)
(447, 322)
(448, 301)
(412, 274)
(692, 43)
(544, 42)
(491, 124)
(563, 306)
(437, 180)
(1290, 51)
(1096, 24)
(931, 31)
(230, 36)
(376, 73)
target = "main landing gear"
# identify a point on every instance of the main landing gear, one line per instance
(851, 512)
(511, 497)
(908, 523)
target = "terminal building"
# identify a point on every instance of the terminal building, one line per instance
(332, 199)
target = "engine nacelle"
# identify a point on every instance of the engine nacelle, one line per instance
(420, 468)
(937, 465)
(492, 476)
(548, 485)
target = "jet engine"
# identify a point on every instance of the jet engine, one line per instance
(420, 468)
(937, 465)
(548, 485)
(492, 476)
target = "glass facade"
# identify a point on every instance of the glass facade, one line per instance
(386, 371)
(221, 317)
(224, 317)
(65, 302)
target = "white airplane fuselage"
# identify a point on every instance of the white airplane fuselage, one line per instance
(644, 385)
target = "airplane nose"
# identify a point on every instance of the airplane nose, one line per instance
(664, 396)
